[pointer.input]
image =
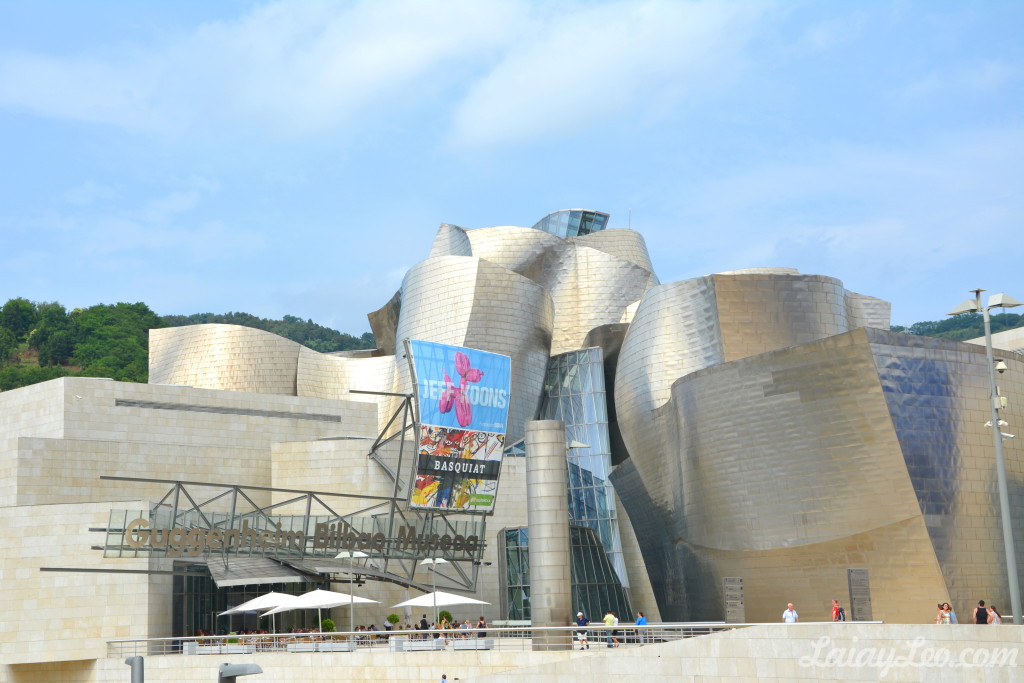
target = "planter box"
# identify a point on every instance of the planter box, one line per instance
(473, 644)
(421, 645)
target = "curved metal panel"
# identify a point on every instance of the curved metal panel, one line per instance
(451, 240)
(383, 322)
(229, 357)
(471, 302)
(627, 245)
(859, 450)
(322, 375)
(531, 253)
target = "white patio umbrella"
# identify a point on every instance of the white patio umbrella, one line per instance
(263, 602)
(320, 599)
(267, 601)
(440, 599)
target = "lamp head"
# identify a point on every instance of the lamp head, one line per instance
(1003, 301)
(969, 306)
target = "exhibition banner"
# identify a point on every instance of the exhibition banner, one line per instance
(463, 406)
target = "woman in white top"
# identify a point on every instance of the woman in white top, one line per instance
(994, 617)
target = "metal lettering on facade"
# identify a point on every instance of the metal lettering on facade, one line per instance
(275, 540)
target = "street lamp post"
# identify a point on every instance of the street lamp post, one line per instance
(433, 569)
(969, 306)
(351, 555)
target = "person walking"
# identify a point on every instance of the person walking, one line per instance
(994, 617)
(790, 616)
(838, 613)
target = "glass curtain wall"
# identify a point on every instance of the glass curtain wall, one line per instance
(574, 392)
(596, 588)
(573, 222)
(198, 601)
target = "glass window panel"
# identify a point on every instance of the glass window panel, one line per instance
(602, 592)
(575, 473)
(577, 384)
(586, 386)
(588, 413)
(588, 563)
(577, 505)
(584, 466)
(601, 502)
(577, 409)
(601, 403)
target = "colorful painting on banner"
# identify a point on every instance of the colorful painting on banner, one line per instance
(463, 404)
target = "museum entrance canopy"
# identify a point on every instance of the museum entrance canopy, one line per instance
(298, 538)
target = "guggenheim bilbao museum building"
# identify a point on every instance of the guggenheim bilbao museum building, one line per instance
(761, 424)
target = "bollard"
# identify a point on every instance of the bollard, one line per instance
(138, 669)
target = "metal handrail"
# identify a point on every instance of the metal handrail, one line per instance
(496, 638)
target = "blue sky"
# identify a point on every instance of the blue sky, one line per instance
(298, 157)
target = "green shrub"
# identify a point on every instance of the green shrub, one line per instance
(327, 626)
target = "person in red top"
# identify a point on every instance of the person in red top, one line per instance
(838, 613)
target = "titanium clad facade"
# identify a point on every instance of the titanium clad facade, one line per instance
(937, 394)
(758, 423)
(228, 357)
(465, 301)
(866, 449)
(686, 326)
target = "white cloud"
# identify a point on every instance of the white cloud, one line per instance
(88, 193)
(286, 68)
(593, 62)
(294, 69)
(831, 33)
(882, 213)
(972, 79)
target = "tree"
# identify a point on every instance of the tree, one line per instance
(8, 345)
(113, 341)
(19, 316)
(53, 337)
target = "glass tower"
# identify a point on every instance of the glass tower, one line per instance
(574, 392)
(595, 587)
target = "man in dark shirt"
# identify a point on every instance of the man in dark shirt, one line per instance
(581, 634)
(980, 613)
